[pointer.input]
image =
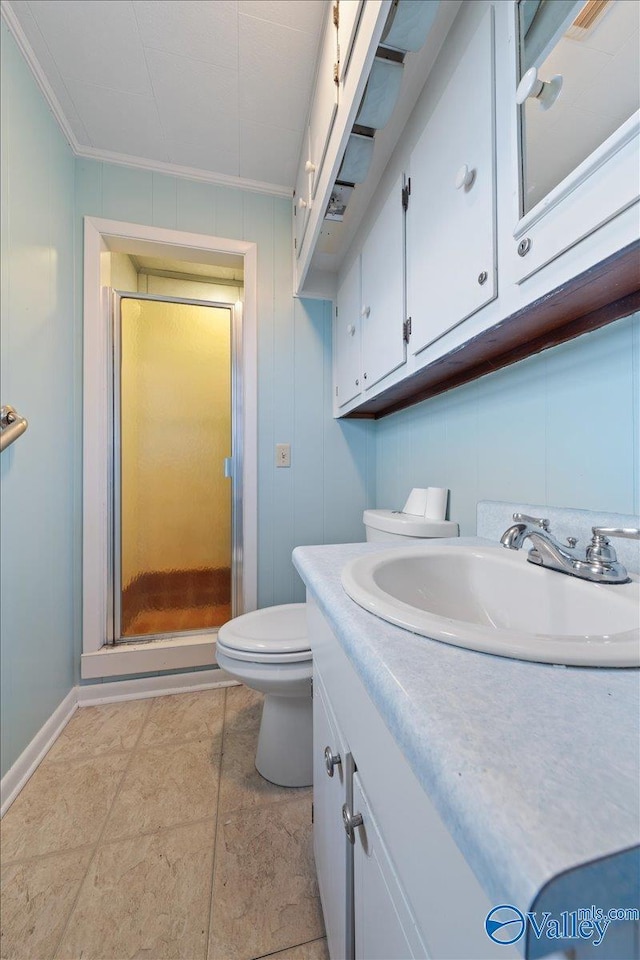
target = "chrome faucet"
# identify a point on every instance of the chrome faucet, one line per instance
(597, 563)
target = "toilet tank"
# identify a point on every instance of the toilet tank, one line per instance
(386, 525)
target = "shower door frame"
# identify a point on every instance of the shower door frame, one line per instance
(114, 585)
(100, 659)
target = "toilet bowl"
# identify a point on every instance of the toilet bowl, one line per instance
(268, 650)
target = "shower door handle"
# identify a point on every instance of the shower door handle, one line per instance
(228, 466)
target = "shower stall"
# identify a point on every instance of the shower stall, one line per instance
(176, 563)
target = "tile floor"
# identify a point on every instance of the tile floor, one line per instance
(147, 833)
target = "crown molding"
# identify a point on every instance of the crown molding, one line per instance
(186, 173)
(122, 159)
(18, 34)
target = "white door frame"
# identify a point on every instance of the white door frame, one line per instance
(100, 659)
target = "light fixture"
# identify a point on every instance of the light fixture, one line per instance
(357, 159)
(381, 94)
(409, 23)
(338, 201)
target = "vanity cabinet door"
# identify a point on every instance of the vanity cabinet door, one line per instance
(451, 231)
(382, 311)
(346, 338)
(384, 925)
(333, 854)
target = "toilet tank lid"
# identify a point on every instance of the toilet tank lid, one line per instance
(407, 525)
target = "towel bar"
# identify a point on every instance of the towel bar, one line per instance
(12, 426)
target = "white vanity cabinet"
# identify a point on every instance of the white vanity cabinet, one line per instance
(384, 925)
(395, 892)
(451, 228)
(332, 773)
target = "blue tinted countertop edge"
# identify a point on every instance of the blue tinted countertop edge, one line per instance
(534, 768)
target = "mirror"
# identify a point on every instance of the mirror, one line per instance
(579, 82)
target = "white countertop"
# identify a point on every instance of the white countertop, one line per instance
(535, 769)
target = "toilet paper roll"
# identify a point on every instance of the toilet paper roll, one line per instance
(417, 502)
(436, 503)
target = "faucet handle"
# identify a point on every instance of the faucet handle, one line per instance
(536, 521)
(629, 533)
(601, 550)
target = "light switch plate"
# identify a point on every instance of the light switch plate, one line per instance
(283, 454)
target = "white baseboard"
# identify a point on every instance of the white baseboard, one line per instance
(92, 695)
(30, 758)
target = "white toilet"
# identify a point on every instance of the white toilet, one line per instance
(269, 651)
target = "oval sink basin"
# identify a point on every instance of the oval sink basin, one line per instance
(492, 600)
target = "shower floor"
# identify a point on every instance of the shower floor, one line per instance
(176, 601)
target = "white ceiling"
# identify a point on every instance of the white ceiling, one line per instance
(222, 86)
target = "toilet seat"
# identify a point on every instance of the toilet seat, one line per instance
(271, 635)
(252, 656)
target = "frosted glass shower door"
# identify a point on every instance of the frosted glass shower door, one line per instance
(173, 431)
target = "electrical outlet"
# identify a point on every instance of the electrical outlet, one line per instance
(283, 454)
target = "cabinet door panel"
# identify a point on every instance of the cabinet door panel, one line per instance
(451, 228)
(348, 18)
(324, 104)
(384, 926)
(332, 854)
(346, 330)
(383, 347)
(302, 199)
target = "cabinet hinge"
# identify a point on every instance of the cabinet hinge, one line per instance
(336, 73)
(336, 15)
(406, 191)
(406, 330)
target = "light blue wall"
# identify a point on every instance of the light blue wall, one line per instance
(39, 560)
(561, 428)
(322, 496)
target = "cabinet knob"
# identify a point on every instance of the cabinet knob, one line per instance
(546, 92)
(351, 329)
(465, 177)
(357, 383)
(302, 203)
(350, 822)
(310, 167)
(365, 312)
(331, 760)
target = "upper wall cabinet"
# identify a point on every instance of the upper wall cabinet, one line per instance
(369, 332)
(382, 312)
(521, 157)
(346, 338)
(576, 120)
(451, 242)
